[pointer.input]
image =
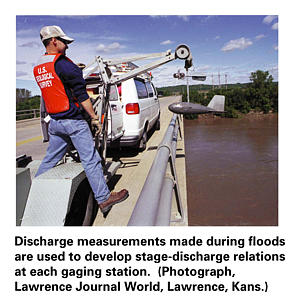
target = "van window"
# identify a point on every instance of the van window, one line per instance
(113, 93)
(155, 91)
(141, 89)
(149, 89)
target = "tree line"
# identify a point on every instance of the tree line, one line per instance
(260, 95)
(24, 100)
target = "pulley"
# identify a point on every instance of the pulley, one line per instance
(182, 52)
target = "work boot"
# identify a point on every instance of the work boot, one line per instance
(114, 198)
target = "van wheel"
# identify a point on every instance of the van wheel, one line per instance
(157, 124)
(143, 142)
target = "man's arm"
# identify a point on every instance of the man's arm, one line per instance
(87, 105)
(72, 77)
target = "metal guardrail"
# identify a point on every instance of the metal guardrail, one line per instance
(153, 207)
(27, 114)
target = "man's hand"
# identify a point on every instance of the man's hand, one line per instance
(96, 126)
(95, 122)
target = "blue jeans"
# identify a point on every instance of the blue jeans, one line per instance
(63, 131)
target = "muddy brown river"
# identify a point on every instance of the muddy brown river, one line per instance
(232, 171)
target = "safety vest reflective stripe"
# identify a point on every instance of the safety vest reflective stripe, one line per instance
(52, 88)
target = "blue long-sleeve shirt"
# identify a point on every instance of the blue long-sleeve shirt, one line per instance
(75, 87)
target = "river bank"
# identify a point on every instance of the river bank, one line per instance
(250, 116)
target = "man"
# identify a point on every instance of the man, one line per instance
(64, 92)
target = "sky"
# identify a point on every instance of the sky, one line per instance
(230, 45)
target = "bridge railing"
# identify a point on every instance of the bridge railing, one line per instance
(153, 207)
(27, 114)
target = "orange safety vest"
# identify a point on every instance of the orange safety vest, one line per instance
(52, 88)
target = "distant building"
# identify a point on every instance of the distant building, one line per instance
(22, 95)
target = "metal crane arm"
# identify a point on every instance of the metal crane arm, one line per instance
(116, 61)
(181, 52)
(133, 73)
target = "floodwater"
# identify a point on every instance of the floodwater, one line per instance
(232, 171)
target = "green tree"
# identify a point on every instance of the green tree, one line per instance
(28, 104)
(261, 90)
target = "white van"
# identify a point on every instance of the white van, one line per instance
(134, 110)
(141, 111)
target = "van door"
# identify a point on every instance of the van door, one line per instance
(153, 102)
(115, 122)
(144, 102)
(157, 107)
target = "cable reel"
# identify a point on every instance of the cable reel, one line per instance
(182, 52)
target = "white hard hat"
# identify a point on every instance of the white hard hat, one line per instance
(54, 32)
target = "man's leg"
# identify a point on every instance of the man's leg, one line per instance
(56, 150)
(82, 139)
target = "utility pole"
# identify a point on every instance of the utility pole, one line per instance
(212, 82)
(219, 80)
(188, 98)
(226, 81)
